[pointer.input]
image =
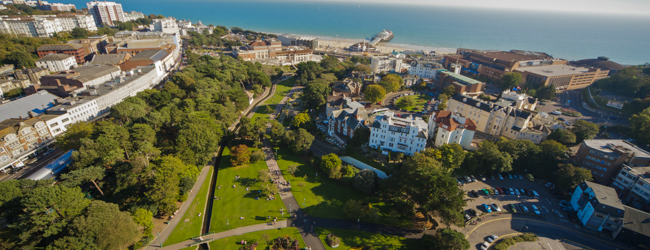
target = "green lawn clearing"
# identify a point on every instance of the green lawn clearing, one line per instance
(233, 242)
(324, 197)
(237, 202)
(264, 111)
(419, 101)
(187, 230)
(281, 90)
(353, 238)
(372, 162)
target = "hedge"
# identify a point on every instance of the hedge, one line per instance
(506, 243)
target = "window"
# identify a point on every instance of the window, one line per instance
(4, 158)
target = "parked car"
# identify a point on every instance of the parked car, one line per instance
(495, 191)
(492, 238)
(482, 177)
(509, 177)
(473, 212)
(485, 192)
(486, 208)
(535, 209)
(512, 208)
(522, 191)
(521, 177)
(511, 191)
(564, 203)
(474, 193)
(500, 190)
(496, 207)
(500, 177)
(561, 119)
(523, 208)
(468, 179)
(491, 177)
(535, 194)
(530, 177)
(467, 217)
(485, 245)
(517, 192)
(556, 112)
(473, 178)
(549, 185)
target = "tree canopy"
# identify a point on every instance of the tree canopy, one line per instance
(374, 93)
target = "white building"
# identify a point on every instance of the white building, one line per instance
(57, 62)
(633, 186)
(446, 128)
(425, 69)
(45, 25)
(380, 64)
(165, 25)
(57, 124)
(133, 15)
(405, 135)
(106, 13)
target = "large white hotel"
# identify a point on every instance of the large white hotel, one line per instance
(406, 135)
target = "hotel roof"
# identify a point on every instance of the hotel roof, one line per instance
(554, 70)
(603, 145)
(54, 57)
(48, 47)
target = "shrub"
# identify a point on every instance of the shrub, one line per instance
(333, 240)
(506, 243)
(256, 156)
(252, 246)
(285, 243)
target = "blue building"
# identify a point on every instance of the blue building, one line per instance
(598, 207)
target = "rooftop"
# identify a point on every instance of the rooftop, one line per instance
(111, 59)
(145, 43)
(607, 196)
(513, 55)
(54, 57)
(637, 221)
(554, 70)
(459, 77)
(605, 145)
(49, 47)
(36, 103)
(89, 73)
(153, 54)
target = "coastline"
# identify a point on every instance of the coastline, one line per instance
(383, 48)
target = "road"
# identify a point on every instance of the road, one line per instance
(573, 99)
(33, 167)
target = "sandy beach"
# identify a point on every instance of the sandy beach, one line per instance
(335, 43)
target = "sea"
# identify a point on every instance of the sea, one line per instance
(568, 35)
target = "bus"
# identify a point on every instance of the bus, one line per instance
(379, 110)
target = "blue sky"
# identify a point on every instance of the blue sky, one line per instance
(636, 7)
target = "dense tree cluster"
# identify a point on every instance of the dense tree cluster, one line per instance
(21, 52)
(628, 82)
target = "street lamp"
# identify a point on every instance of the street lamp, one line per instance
(303, 202)
(282, 211)
(289, 210)
(228, 223)
(159, 239)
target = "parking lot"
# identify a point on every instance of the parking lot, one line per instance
(546, 203)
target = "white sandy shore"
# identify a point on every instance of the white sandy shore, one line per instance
(384, 48)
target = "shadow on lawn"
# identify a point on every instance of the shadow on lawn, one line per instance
(246, 181)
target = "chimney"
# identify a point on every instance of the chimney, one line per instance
(31, 114)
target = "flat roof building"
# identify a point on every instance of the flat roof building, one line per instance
(563, 77)
(605, 158)
(36, 103)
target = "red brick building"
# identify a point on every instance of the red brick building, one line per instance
(76, 50)
(605, 158)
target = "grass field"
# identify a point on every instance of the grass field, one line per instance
(264, 111)
(352, 238)
(372, 162)
(419, 100)
(237, 202)
(281, 90)
(324, 197)
(233, 242)
(186, 230)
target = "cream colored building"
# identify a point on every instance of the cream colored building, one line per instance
(45, 25)
(57, 62)
(511, 119)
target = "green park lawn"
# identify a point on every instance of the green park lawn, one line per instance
(233, 242)
(353, 238)
(237, 202)
(419, 100)
(187, 230)
(372, 162)
(324, 197)
(281, 90)
(264, 111)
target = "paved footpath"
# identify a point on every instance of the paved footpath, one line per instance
(181, 211)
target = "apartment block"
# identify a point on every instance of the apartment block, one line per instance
(598, 208)
(76, 50)
(446, 128)
(462, 84)
(57, 62)
(605, 158)
(45, 25)
(562, 77)
(493, 64)
(106, 13)
(633, 186)
(21, 137)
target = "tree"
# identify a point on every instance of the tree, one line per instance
(330, 162)
(71, 139)
(391, 82)
(198, 138)
(300, 120)
(374, 93)
(546, 92)
(354, 209)
(451, 156)
(292, 169)
(78, 177)
(144, 218)
(299, 140)
(79, 33)
(510, 80)
(239, 155)
(490, 159)
(265, 238)
(20, 59)
(405, 102)
(365, 180)
(442, 105)
(269, 189)
(446, 238)
(641, 126)
(164, 189)
(315, 95)
(562, 136)
(362, 68)
(257, 155)
(264, 176)
(106, 224)
(301, 185)
(569, 176)
(584, 130)
(277, 132)
(449, 90)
